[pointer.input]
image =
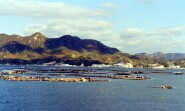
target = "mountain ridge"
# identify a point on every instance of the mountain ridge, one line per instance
(167, 56)
(62, 49)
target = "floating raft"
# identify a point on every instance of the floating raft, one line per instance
(130, 77)
(24, 78)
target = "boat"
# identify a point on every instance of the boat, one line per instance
(178, 73)
(162, 87)
(166, 87)
(137, 72)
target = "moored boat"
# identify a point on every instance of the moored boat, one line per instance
(178, 73)
(166, 87)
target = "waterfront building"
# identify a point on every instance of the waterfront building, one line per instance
(174, 66)
(101, 65)
(124, 65)
(156, 66)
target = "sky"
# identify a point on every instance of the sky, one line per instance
(132, 26)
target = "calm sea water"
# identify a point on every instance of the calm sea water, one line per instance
(116, 95)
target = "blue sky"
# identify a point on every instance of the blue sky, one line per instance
(132, 26)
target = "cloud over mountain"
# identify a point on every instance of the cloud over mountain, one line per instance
(130, 25)
(160, 39)
(61, 18)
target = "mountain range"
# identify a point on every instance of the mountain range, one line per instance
(167, 56)
(37, 48)
(68, 49)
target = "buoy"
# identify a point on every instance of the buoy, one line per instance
(113, 92)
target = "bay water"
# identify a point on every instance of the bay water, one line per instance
(116, 95)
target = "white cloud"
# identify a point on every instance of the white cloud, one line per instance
(109, 5)
(169, 32)
(149, 1)
(162, 39)
(38, 9)
(84, 28)
(132, 33)
(55, 19)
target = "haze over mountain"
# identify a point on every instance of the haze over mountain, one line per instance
(167, 56)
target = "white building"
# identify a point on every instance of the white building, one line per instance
(174, 66)
(156, 66)
(67, 65)
(101, 65)
(124, 65)
(159, 67)
(82, 65)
